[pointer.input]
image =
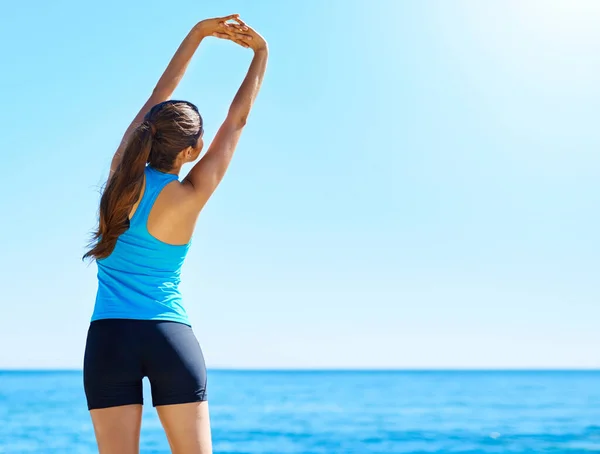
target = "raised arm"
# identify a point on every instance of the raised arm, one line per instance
(171, 77)
(206, 175)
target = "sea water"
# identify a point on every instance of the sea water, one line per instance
(333, 412)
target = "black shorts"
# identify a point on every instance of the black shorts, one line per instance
(120, 353)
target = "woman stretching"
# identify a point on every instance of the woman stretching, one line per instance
(139, 327)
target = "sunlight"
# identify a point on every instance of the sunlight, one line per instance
(565, 19)
(549, 39)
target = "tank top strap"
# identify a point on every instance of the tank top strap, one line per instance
(155, 182)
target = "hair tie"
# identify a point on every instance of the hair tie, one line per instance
(151, 127)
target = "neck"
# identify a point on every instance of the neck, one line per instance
(174, 171)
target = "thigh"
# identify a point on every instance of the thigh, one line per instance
(174, 364)
(187, 427)
(112, 373)
(117, 429)
(112, 365)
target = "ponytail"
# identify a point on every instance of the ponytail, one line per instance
(121, 193)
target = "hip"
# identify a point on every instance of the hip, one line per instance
(119, 353)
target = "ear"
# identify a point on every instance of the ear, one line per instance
(189, 152)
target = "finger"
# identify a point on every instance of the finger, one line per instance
(235, 33)
(231, 16)
(241, 23)
(242, 36)
(241, 43)
(231, 38)
(239, 27)
(231, 27)
(234, 25)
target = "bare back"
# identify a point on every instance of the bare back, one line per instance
(174, 214)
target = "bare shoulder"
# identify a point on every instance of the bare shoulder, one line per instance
(178, 196)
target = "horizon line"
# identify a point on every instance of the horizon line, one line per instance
(336, 369)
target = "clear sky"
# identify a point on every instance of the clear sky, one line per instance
(418, 184)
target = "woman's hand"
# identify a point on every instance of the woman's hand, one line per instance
(254, 41)
(240, 33)
(219, 25)
(249, 37)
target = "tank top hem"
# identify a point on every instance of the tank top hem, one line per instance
(128, 316)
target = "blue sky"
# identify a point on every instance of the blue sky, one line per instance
(417, 185)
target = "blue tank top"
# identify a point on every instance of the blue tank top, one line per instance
(140, 278)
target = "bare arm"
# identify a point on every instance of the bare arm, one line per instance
(206, 175)
(171, 77)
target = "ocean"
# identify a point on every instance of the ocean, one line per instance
(310, 412)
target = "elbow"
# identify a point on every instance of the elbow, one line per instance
(237, 119)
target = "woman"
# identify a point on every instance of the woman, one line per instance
(139, 326)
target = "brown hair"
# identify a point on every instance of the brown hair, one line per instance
(168, 128)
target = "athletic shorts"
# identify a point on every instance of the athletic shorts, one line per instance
(119, 353)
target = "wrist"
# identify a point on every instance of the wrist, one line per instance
(200, 30)
(262, 49)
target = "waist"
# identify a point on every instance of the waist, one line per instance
(138, 297)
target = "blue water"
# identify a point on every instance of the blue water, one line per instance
(334, 412)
